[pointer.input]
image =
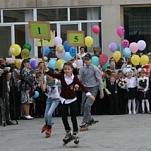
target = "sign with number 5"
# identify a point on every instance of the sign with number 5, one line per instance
(39, 29)
(75, 38)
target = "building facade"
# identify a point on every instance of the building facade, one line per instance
(65, 15)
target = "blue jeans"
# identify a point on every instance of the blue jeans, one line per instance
(50, 108)
(87, 103)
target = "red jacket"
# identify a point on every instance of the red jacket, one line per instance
(68, 91)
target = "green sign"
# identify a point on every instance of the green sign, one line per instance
(75, 38)
(39, 30)
(47, 42)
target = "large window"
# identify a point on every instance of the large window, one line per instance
(137, 21)
(14, 26)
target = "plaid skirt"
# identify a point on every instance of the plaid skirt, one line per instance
(25, 98)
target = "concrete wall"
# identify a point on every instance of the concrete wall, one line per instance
(65, 3)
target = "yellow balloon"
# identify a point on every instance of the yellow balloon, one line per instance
(144, 59)
(135, 59)
(59, 48)
(116, 56)
(15, 50)
(25, 53)
(59, 64)
(17, 63)
(88, 41)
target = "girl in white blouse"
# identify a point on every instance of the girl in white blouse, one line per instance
(131, 92)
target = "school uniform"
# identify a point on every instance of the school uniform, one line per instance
(113, 97)
(68, 98)
(122, 95)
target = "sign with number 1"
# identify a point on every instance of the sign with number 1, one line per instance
(75, 38)
(39, 29)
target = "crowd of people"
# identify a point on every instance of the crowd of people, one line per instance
(121, 88)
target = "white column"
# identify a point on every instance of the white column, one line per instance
(29, 17)
(110, 22)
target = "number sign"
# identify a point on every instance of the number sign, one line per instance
(75, 38)
(47, 42)
(39, 30)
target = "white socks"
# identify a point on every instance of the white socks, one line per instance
(131, 105)
(147, 105)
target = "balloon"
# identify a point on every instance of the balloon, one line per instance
(66, 47)
(27, 46)
(25, 54)
(95, 60)
(32, 59)
(34, 64)
(113, 46)
(52, 64)
(118, 48)
(72, 51)
(15, 50)
(126, 52)
(96, 29)
(36, 95)
(45, 58)
(46, 50)
(88, 41)
(59, 63)
(116, 56)
(57, 41)
(133, 47)
(144, 59)
(141, 45)
(125, 43)
(17, 63)
(60, 55)
(105, 66)
(67, 56)
(135, 59)
(59, 48)
(103, 59)
(120, 31)
(79, 63)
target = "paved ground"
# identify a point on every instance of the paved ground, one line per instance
(112, 133)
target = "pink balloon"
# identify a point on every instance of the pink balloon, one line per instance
(96, 29)
(79, 63)
(57, 41)
(125, 43)
(103, 59)
(60, 55)
(133, 47)
(120, 31)
(141, 45)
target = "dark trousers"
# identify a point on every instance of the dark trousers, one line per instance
(113, 99)
(122, 95)
(73, 111)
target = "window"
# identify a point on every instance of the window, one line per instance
(52, 14)
(5, 41)
(15, 15)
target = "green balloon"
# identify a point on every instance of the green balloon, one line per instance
(27, 46)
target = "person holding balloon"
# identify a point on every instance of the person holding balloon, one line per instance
(27, 86)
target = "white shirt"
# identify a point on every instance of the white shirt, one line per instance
(69, 80)
(80, 56)
(131, 83)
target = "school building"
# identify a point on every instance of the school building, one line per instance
(63, 15)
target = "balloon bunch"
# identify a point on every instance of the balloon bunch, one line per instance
(25, 53)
